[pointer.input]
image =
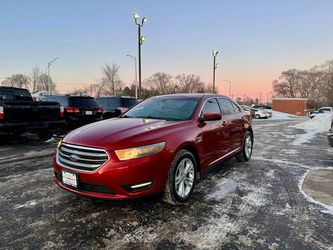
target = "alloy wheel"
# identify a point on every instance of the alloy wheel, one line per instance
(184, 177)
(248, 146)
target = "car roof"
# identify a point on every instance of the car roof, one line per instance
(193, 95)
(75, 96)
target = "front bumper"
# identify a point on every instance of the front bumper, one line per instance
(115, 178)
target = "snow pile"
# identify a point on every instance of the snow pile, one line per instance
(319, 124)
(276, 115)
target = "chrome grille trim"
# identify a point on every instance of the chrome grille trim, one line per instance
(82, 153)
(87, 159)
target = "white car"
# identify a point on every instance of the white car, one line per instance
(260, 113)
(320, 111)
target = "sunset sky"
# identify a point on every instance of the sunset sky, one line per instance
(257, 40)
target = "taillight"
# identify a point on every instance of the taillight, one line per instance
(99, 110)
(2, 114)
(62, 112)
(72, 110)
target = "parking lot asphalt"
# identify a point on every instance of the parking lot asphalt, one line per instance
(257, 204)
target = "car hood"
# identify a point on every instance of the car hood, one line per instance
(120, 132)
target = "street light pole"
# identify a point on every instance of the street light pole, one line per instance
(136, 75)
(215, 65)
(141, 39)
(48, 74)
(229, 87)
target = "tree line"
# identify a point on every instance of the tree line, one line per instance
(158, 84)
(315, 84)
(36, 81)
(110, 83)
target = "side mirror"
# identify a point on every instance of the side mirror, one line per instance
(210, 117)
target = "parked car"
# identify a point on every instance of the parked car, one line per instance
(260, 113)
(330, 134)
(78, 110)
(20, 114)
(161, 145)
(114, 106)
(312, 114)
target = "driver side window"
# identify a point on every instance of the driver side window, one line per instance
(211, 106)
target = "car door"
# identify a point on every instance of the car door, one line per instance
(240, 125)
(233, 121)
(214, 135)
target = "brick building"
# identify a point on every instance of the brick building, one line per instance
(295, 106)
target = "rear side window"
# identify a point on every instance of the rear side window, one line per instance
(323, 110)
(211, 106)
(22, 94)
(82, 102)
(6, 94)
(226, 106)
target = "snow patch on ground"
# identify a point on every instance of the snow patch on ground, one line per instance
(27, 204)
(319, 124)
(224, 188)
(276, 115)
(327, 209)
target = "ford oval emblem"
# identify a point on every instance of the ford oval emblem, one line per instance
(73, 157)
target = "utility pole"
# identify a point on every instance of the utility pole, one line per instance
(49, 75)
(136, 75)
(215, 65)
(141, 39)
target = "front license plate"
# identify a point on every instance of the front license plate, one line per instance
(69, 179)
(88, 112)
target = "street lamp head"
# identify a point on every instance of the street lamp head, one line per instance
(142, 39)
(217, 65)
(215, 52)
(136, 16)
(144, 20)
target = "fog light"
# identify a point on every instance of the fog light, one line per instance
(141, 185)
(138, 187)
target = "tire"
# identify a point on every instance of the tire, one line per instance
(246, 152)
(178, 193)
(257, 116)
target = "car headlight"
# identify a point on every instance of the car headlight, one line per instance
(133, 153)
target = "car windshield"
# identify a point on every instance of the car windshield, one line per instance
(173, 109)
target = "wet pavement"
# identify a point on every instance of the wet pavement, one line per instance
(257, 204)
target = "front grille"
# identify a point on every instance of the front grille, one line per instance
(81, 158)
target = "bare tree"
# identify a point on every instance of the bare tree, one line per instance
(315, 84)
(17, 80)
(189, 83)
(35, 78)
(288, 84)
(111, 80)
(327, 80)
(42, 83)
(161, 83)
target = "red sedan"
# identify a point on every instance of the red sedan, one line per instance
(161, 145)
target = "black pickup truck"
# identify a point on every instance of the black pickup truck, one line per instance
(20, 114)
